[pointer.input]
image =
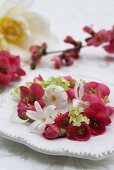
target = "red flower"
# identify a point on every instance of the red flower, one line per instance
(10, 69)
(73, 54)
(101, 107)
(22, 107)
(99, 38)
(110, 47)
(64, 59)
(70, 93)
(39, 78)
(36, 53)
(88, 30)
(52, 131)
(62, 120)
(33, 93)
(67, 58)
(71, 81)
(57, 62)
(80, 133)
(70, 40)
(94, 91)
(97, 128)
(97, 113)
(110, 110)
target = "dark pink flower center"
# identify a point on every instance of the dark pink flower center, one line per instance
(3, 69)
(95, 123)
(100, 38)
(65, 122)
(81, 131)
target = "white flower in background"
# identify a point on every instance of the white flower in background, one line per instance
(19, 28)
(79, 92)
(41, 117)
(56, 96)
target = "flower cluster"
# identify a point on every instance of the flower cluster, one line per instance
(43, 103)
(88, 117)
(45, 92)
(10, 69)
(104, 38)
(67, 57)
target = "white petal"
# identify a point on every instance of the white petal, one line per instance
(15, 119)
(49, 120)
(61, 96)
(61, 104)
(75, 102)
(76, 90)
(47, 99)
(37, 23)
(41, 128)
(34, 125)
(81, 90)
(7, 3)
(59, 93)
(49, 110)
(50, 38)
(32, 115)
(19, 7)
(40, 28)
(58, 89)
(49, 90)
(39, 109)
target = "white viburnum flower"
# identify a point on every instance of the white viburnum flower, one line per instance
(41, 117)
(56, 96)
(20, 28)
(79, 92)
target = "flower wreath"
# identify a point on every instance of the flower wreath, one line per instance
(64, 107)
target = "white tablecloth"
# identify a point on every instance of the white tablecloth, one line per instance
(67, 17)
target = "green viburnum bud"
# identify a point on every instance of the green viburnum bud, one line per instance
(58, 81)
(86, 120)
(76, 118)
(15, 92)
(28, 84)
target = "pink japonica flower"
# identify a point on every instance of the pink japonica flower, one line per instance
(80, 133)
(10, 69)
(33, 93)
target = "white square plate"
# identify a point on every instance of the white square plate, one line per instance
(95, 148)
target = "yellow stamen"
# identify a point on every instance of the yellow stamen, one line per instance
(12, 30)
(106, 99)
(43, 119)
(92, 91)
(53, 98)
